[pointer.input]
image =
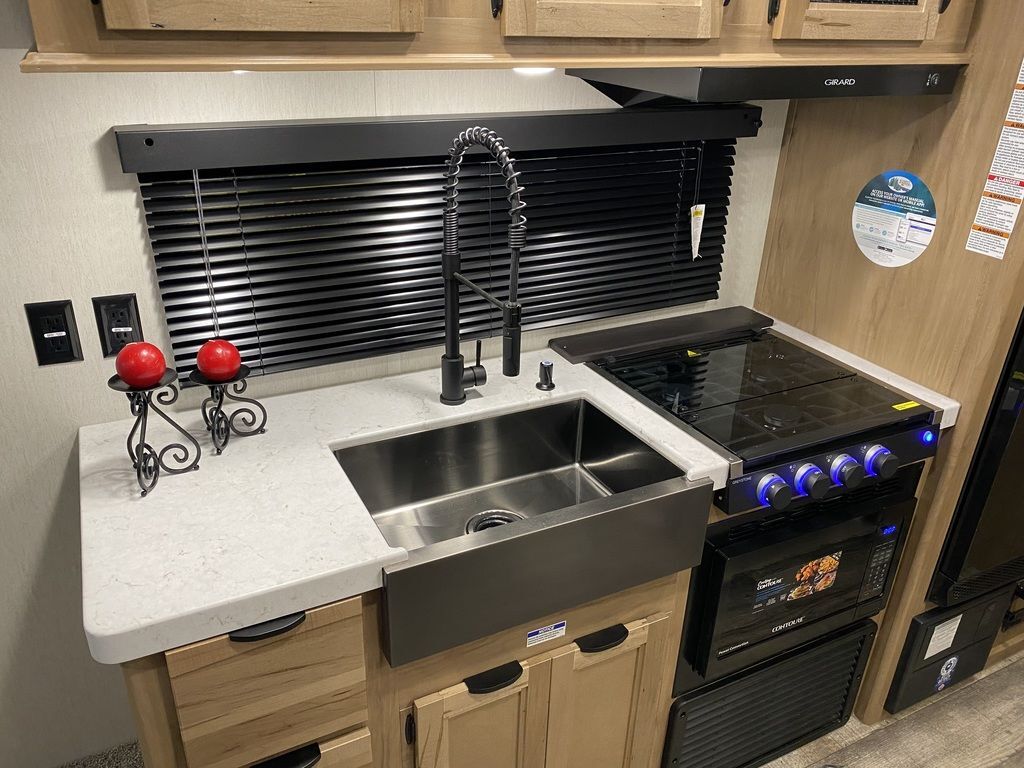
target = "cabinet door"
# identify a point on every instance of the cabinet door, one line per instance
(266, 15)
(606, 705)
(856, 20)
(501, 729)
(686, 19)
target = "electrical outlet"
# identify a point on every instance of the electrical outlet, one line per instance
(117, 318)
(54, 332)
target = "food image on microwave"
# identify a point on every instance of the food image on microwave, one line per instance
(824, 581)
(801, 591)
(816, 576)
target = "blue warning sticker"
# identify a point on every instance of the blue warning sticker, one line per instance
(543, 634)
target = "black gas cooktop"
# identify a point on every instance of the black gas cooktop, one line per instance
(796, 426)
(759, 395)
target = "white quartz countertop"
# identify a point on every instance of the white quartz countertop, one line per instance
(273, 526)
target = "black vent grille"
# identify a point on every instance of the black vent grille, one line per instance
(315, 264)
(1000, 576)
(756, 715)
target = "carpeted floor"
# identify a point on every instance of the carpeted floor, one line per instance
(977, 724)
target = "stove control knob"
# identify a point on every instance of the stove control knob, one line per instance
(774, 492)
(810, 480)
(846, 471)
(880, 461)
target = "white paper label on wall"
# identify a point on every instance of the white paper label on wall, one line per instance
(696, 228)
(943, 636)
(1003, 195)
(894, 218)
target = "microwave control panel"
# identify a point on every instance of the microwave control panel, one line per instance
(878, 569)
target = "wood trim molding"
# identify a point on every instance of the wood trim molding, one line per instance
(945, 320)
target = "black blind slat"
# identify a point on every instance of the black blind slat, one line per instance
(316, 264)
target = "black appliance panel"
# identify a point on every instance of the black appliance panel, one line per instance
(945, 646)
(910, 443)
(985, 548)
(757, 714)
(795, 575)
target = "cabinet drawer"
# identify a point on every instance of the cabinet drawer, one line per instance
(238, 702)
(349, 751)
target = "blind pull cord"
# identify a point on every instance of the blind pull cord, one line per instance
(206, 251)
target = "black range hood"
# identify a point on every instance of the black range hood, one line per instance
(654, 86)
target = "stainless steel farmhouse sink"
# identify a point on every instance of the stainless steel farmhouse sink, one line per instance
(510, 518)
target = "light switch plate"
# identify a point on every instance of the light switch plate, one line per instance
(54, 332)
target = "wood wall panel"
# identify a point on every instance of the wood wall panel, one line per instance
(456, 34)
(945, 320)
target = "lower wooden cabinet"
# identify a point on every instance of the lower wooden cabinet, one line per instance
(606, 706)
(501, 729)
(349, 751)
(577, 706)
(238, 702)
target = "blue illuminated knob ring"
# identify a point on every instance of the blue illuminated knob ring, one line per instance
(879, 461)
(774, 492)
(846, 471)
(811, 481)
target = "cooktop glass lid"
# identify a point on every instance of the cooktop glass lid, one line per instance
(761, 396)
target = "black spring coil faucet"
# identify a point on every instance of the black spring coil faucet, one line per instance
(455, 376)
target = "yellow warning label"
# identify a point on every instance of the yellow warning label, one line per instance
(691, 353)
(905, 406)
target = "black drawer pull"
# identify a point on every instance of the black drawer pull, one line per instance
(303, 757)
(267, 629)
(603, 639)
(495, 679)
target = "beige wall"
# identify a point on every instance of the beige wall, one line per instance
(70, 227)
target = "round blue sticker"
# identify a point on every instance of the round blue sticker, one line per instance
(894, 218)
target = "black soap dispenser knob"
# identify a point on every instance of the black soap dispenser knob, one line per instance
(546, 382)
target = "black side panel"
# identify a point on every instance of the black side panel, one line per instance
(751, 717)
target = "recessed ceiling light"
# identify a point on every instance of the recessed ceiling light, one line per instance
(533, 70)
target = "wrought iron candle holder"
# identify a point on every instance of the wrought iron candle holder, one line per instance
(149, 463)
(248, 419)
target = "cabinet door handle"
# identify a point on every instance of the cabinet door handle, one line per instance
(495, 679)
(603, 640)
(267, 629)
(303, 757)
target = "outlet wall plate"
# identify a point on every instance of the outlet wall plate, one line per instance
(54, 331)
(117, 319)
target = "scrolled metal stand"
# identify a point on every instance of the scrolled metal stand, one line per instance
(244, 421)
(174, 458)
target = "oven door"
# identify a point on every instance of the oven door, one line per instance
(834, 564)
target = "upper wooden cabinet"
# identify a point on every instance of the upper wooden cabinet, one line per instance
(856, 20)
(681, 19)
(266, 15)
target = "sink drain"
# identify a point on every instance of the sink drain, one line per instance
(491, 518)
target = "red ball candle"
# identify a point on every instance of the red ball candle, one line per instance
(140, 364)
(218, 360)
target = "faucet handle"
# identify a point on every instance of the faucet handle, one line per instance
(479, 349)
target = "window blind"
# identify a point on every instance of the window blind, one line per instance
(303, 265)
